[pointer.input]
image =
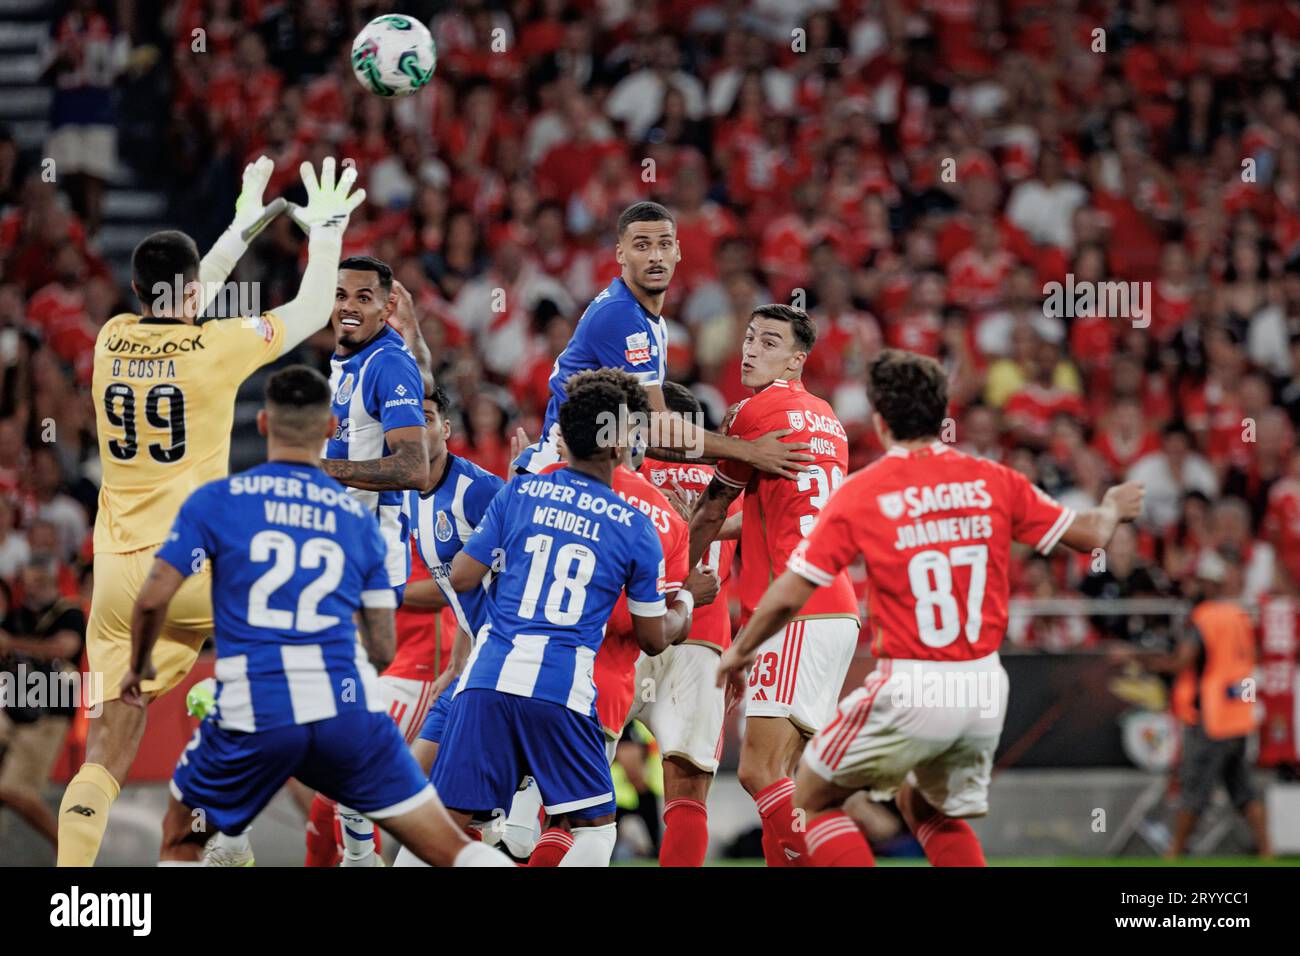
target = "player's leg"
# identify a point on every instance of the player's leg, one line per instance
(686, 816)
(832, 837)
(1243, 793)
(768, 752)
(947, 841)
(434, 836)
(184, 835)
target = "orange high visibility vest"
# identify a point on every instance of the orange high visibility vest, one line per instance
(1213, 698)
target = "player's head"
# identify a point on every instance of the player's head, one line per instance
(777, 343)
(363, 301)
(297, 415)
(647, 246)
(602, 413)
(908, 395)
(437, 426)
(165, 274)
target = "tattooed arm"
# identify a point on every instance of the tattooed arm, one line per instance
(405, 466)
(710, 515)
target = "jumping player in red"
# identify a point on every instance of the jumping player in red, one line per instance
(687, 709)
(935, 528)
(801, 671)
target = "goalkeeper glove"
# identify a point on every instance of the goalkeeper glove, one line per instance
(328, 203)
(251, 216)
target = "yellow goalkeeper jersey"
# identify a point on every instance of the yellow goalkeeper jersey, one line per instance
(164, 395)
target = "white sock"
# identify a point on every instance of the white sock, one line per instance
(522, 828)
(406, 858)
(592, 846)
(479, 854)
(358, 835)
(237, 845)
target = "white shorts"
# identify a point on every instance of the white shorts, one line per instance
(407, 702)
(83, 149)
(934, 724)
(800, 671)
(685, 706)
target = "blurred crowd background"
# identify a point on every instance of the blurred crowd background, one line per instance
(912, 171)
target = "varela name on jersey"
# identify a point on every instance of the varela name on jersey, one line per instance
(164, 409)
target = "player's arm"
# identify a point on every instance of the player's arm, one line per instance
(699, 589)
(147, 619)
(730, 530)
(467, 572)
(378, 629)
(251, 217)
(424, 593)
(1093, 528)
(781, 602)
(766, 452)
(404, 320)
(710, 516)
(324, 218)
(405, 466)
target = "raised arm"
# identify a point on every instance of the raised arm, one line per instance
(406, 322)
(710, 515)
(325, 217)
(1093, 528)
(251, 217)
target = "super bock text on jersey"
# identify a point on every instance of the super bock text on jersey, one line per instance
(565, 547)
(615, 331)
(377, 389)
(293, 556)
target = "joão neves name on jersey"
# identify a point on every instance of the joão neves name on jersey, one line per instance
(916, 501)
(564, 520)
(295, 514)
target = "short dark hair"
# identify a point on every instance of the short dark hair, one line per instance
(593, 396)
(297, 386)
(371, 264)
(803, 328)
(644, 211)
(910, 392)
(438, 395)
(681, 399)
(161, 258)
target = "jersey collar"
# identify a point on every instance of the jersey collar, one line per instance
(934, 448)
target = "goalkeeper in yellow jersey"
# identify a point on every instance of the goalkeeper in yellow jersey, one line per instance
(164, 391)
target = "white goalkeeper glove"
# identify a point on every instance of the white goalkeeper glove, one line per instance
(328, 203)
(251, 216)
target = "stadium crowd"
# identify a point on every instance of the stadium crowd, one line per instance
(914, 172)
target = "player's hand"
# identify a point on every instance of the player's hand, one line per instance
(440, 684)
(1126, 499)
(329, 202)
(130, 691)
(734, 663)
(403, 318)
(729, 418)
(251, 214)
(680, 498)
(777, 457)
(518, 442)
(703, 583)
(735, 692)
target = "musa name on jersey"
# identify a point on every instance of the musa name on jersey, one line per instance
(443, 520)
(376, 389)
(615, 331)
(293, 557)
(935, 528)
(566, 546)
(164, 408)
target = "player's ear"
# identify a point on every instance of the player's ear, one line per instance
(677, 250)
(446, 429)
(618, 252)
(262, 421)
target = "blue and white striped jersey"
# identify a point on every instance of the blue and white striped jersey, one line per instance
(443, 520)
(564, 546)
(375, 390)
(293, 557)
(615, 331)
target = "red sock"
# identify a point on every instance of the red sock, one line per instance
(946, 841)
(551, 847)
(835, 840)
(324, 841)
(782, 844)
(686, 834)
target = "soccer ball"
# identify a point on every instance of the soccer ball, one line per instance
(393, 55)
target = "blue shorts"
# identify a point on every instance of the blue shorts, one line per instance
(435, 724)
(494, 739)
(357, 758)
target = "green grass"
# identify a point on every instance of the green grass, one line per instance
(1136, 861)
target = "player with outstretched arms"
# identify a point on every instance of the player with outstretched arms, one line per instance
(801, 671)
(935, 528)
(566, 546)
(293, 558)
(623, 329)
(164, 389)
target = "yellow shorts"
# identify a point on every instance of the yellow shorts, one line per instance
(118, 579)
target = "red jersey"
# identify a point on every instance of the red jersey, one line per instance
(614, 670)
(711, 624)
(935, 527)
(779, 512)
(424, 634)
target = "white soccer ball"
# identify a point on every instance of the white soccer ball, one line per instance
(394, 55)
